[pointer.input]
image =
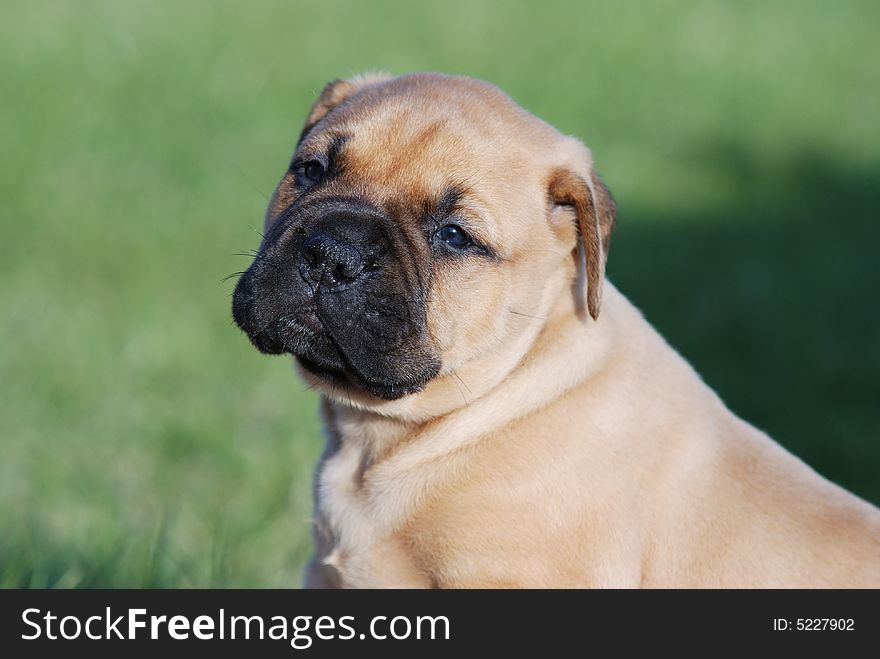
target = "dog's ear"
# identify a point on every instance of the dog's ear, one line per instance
(595, 212)
(335, 93)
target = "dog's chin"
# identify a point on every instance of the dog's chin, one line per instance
(342, 381)
(335, 371)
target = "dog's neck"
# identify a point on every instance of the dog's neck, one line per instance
(440, 420)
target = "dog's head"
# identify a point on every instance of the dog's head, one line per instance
(420, 217)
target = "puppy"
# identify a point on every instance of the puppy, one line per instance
(499, 415)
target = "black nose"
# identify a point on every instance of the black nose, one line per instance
(330, 261)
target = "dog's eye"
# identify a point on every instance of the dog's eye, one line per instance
(454, 236)
(313, 170)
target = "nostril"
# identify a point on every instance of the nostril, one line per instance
(311, 250)
(315, 249)
(310, 256)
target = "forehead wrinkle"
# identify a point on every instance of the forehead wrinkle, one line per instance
(448, 201)
(336, 145)
(408, 124)
(330, 141)
(387, 162)
(427, 136)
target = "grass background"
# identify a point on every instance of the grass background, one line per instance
(144, 443)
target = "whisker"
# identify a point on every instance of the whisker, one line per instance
(458, 386)
(463, 383)
(520, 313)
(231, 275)
(313, 386)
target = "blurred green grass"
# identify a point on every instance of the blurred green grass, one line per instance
(144, 443)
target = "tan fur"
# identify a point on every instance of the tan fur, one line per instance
(553, 449)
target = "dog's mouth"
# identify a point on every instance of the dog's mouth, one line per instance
(321, 356)
(330, 374)
(307, 339)
(347, 376)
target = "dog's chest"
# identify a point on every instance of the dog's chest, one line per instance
(356, 549)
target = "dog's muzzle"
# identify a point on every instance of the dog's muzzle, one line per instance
(328, 287)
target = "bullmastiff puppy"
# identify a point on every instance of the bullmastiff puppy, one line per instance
(497, 413)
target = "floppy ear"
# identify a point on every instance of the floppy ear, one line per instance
(595, 211)
(335, 93)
